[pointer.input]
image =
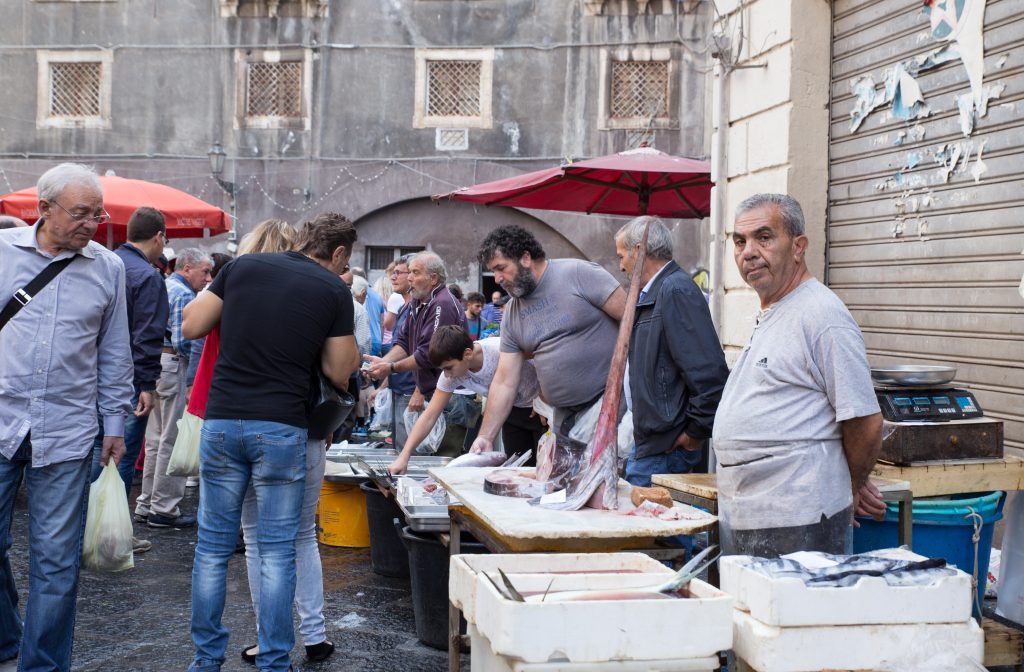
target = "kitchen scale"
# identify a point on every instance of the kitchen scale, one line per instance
(926, 417)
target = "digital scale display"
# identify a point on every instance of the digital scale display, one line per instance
(928, 405)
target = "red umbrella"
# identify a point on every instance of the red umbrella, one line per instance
(641, 181)
(186, 215)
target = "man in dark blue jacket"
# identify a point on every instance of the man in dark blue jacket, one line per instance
(676, 369)
(146, 296)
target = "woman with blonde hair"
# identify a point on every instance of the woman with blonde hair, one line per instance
(270, 235)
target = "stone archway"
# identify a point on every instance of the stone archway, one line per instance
(453, 230)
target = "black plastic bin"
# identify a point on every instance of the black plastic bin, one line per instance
(428, 574)
(387, 552)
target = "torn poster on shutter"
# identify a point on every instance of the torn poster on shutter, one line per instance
(900, 88)
(962, 22)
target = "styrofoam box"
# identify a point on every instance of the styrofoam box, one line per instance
(484, 659)
(790, 602)
(605, 630)
(895, 648)
(464, 570)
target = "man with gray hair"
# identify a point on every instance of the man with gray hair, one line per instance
(9, 222)
(798, 428)
(432, 306)
(64, 357)
(674, 343)
(157, 504)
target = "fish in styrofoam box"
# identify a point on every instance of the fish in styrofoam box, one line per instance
(595, 631)
(907, 647)
(462, 577)
(788, 601)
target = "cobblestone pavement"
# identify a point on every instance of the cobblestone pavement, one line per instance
(139, 620)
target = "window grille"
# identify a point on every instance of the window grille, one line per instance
(75, 89)
(380, 257)
(274, 89)
(453, 88)
(639, 89)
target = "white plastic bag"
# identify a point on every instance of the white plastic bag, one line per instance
(107, 544)
(432, 442)
(184, 459)
(381, 411)
(1011, 561)
(586, 423)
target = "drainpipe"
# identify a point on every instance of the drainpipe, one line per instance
(720, 178)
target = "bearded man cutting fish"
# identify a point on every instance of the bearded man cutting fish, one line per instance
(798, 428)
(564, 315)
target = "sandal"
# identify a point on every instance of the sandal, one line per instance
(250, 652)
(317, 652)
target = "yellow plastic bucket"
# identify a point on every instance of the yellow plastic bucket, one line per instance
(341, 516)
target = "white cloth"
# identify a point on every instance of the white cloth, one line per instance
(777, 434)
(479, 382)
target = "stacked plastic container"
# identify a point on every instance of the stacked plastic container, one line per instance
(626, 635)
(782, 625)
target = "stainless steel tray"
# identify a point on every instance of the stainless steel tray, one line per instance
(426, 518)
(913, 374)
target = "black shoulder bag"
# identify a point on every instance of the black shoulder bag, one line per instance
(329, 406)
(29, 291)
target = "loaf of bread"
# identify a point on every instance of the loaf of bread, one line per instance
(657, 495)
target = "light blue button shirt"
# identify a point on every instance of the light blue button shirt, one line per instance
(65, 354)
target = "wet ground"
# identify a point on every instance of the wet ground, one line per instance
(139, 620)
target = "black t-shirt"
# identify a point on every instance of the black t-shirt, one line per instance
(278, 311)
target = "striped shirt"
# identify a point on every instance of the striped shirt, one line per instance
(66, 354)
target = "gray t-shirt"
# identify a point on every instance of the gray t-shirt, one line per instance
(777, 435)
(479, 382)
(562, 326)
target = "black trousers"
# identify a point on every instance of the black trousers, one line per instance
(521, 433)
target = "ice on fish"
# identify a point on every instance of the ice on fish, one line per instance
(490, 459)
(849, 570)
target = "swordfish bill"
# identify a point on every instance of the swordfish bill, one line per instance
(597, 482)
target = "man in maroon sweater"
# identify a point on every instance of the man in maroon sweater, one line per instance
(432, 306)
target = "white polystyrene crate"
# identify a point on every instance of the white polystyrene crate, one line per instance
(464, 570)
(790, 602)
(936, 647)
(484, 659)
(606, 630)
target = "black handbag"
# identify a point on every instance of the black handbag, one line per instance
(329, 406)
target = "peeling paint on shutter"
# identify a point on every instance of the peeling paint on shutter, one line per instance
(926, 223)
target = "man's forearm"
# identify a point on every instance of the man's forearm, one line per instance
(862, 442)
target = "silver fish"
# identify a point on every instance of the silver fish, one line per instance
(490, 459)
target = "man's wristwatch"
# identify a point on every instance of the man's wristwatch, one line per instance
(392, 367)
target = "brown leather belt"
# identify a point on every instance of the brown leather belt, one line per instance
(169, 350)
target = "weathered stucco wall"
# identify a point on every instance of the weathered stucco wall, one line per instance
(174, 93)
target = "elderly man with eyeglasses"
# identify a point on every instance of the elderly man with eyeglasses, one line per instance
(64, 355)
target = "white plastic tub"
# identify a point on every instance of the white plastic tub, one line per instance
(789, 602)
(602, 631)
(464, 569)
(936, 647)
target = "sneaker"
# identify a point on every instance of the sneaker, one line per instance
(159, 520)
(141, 545)
(140, 517)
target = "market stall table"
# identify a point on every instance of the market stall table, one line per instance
(953, 477)
(511, 525)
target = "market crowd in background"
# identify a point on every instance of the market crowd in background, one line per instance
(117, 350)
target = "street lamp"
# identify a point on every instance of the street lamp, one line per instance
(217, 156)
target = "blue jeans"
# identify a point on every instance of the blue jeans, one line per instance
(134, 433)
(272, 456)
(56, 509)
(679, 461)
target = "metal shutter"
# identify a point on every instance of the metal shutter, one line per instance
(930, 266)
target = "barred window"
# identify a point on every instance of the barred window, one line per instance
(274, 90)
(73, 88)
(639, 89)
(453, 88)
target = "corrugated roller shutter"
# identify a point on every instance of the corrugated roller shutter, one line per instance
(926, 224)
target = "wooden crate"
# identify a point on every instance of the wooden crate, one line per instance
(1004, 646)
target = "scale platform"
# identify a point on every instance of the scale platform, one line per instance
(938, 422)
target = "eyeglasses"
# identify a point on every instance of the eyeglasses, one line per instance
(100, 219)
(163, 236)
(399, 272)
